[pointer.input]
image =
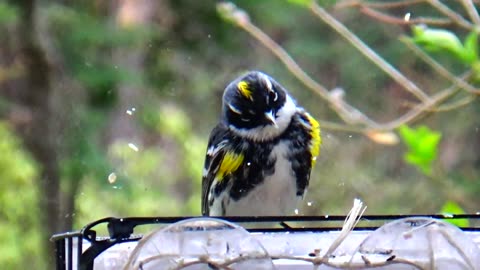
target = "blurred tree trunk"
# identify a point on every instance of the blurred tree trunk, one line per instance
(130, 14)
(33, 92)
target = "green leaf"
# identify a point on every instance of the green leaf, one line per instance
(422, 144)
(304, 3)
(452, 208)
(470, 54)
(476, 71)
(437, 40)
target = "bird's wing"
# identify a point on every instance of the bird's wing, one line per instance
(221, 160)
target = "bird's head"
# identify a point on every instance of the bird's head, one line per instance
(256, 106)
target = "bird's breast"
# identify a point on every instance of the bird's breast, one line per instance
(276, 195)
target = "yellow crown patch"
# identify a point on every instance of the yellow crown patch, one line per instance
(244, 89)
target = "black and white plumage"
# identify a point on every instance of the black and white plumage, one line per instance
(260, 155)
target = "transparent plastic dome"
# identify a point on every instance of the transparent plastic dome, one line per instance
(420, 243)
(199, 243)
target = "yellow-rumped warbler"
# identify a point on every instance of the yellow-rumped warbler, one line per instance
(260, 155)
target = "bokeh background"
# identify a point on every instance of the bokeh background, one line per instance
(106, 109)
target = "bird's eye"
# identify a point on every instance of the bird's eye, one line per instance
(273, 95)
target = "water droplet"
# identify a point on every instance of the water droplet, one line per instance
(209, 36)
(248, 163)
(309, 203)
(407, 16)
(296, 211)
(112, 177)
(131, 111)
(326, 216)
(133, 147)
(350, 136)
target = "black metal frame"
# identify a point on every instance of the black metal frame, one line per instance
(121, 230)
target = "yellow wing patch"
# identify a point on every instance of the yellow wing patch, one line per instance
(316, 138)
(230, 163)
(244, 89)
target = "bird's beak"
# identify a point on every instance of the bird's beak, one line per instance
(271, 118)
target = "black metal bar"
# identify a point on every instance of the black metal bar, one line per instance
(70, 251)
(79, 250)
(121, 230)
(135, 221)
(60, 254)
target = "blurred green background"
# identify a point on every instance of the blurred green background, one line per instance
(106, 108)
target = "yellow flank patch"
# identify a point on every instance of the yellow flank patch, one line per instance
(230, 163)
(316, 138)
(244, 89)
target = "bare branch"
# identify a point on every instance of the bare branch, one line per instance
(439, 68)
(386, 18)
(368, 52)
(325, 124)
(454, 105)
(379, 5)
(455, 17)
(240, 18)
(420, 109)
(352, 116)
(472, 11)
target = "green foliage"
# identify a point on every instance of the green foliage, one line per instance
(85, 155)
(305, 3)
(470, 53)
(453, 208)
(87, 43)
(18, 204)
(441, 40)
(422, 146)
(8, 14)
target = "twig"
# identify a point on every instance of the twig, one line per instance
(350, 222)
(240, 18)
(379, 5)
(472, 11)
(439, 68)
(328, 125)
(450, 106)
(419, 109)
(386, 18)
(347, 112)
(454, 105)
(368, 52)
(455, 17)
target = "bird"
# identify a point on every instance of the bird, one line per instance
(260, 155)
